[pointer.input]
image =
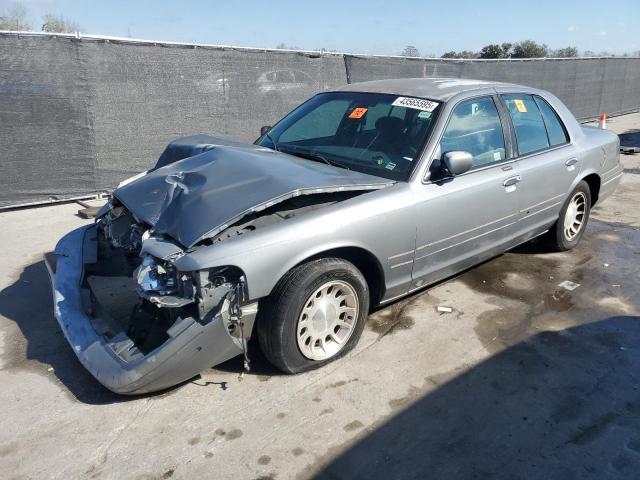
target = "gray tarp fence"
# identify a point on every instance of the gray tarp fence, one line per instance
(78, 115)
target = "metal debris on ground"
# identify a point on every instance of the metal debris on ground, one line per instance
(89, 212)
(568, 285)
(443, 309)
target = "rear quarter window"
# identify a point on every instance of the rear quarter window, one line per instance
(531, 132)
(556, 130)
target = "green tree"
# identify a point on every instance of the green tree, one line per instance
(468, 54)
(462, 54)
(57, 24)
(15, 19)
(568, 52)
(410, 51)
(493, 51)
(529, 49)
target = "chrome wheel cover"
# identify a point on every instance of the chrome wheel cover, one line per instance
(327, 320)
(575, 216)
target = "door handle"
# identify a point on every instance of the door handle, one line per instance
(511, 181)
(571, 162)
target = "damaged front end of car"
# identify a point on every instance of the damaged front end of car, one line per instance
(156, 291)
(135, 321)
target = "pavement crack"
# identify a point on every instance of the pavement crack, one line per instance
(142, 411)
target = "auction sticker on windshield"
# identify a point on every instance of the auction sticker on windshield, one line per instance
(417, 103)
(358, 112)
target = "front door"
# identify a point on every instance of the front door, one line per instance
(465, 219)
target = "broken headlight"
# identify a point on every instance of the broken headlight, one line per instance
(154, 277)
(160, 283)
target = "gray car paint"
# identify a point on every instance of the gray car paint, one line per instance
(199, 196)
(393, 224)
(417, 232)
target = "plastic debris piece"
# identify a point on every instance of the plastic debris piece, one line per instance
(443, 309)
(629, 150)
(89, 212)
(568, 285)
(605, 264)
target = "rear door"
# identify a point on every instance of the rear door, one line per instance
(467, 218)
(547, 160)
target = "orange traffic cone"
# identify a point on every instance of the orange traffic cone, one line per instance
(602, 120)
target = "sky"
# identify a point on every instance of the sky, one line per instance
(357, 26)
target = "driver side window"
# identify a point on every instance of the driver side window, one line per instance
(475, 127)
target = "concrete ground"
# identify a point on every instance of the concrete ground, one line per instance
(523, 379)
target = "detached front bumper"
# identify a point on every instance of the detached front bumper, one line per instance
(190, 348)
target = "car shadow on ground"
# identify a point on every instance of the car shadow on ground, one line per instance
(562, 404)
(259, 364)
(42, 347)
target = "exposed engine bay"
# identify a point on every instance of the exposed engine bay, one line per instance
(142, 297)
(164, 297)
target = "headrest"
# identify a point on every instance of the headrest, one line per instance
(390, 126)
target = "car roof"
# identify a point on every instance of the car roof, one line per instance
(439, 88)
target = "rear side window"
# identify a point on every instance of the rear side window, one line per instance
(531, 133)
(475, 127)
(555, 129)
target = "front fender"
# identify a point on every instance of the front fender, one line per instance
(265, 267)
(381, 223)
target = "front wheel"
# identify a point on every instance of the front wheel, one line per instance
(572, 221)
(315, 315)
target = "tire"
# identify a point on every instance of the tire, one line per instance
(559, 237)
(281, 324)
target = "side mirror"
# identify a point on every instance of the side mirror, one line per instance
(264, 129)
(457, 162)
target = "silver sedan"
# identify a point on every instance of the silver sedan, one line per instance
(358, 197)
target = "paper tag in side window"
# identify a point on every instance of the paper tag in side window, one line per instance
(417, 103)
(520, 105)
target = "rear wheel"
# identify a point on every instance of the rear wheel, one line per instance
(315, 314)
(572, 221)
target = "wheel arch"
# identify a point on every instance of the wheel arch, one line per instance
(363, 259)
(594, 182)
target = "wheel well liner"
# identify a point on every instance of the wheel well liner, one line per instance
(593, 180)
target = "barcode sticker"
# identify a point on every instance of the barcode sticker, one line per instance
(417, 103)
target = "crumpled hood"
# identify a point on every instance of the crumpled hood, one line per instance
(199, 196)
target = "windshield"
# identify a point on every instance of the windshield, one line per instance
(371, 133)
